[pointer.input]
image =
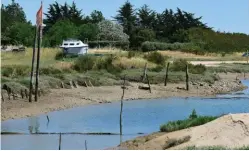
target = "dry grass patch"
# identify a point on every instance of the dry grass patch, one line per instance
(134, 62)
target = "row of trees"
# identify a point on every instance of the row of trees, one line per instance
(133, 25)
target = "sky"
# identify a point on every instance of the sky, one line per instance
(222, 15)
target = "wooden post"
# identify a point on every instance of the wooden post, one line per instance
(32, 69)
(37, 64)
(148, 82)
(145, 72)
(60, 142)
(2, 97)
(166, 75)
(13, 95)
(26, 93)
(121, 110)
(22, 94)
(85, 145)
(187, 78)
(48, 118)
(247, 56)
(8, 91)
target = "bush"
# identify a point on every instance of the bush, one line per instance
(118, 44)
(59, 55)
(156, 57)
(15, 70)
(180, 65)
(132, 54)
(151, 46)
(193, 120)
(107, 64)
(84, 63)
(157, 68)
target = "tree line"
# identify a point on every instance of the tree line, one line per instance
(135, 27)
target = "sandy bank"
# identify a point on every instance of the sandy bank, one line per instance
(60, 99)
(231, 131)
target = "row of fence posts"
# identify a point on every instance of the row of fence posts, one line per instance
(23, 94)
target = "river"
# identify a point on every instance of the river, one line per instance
(140, 117)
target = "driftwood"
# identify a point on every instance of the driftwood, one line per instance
(144, 87)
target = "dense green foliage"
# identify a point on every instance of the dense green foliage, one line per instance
(143, 28)
(156, 57)
(193, 120)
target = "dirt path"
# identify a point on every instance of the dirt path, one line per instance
(230, 131)
(60, 99)
(214, 63)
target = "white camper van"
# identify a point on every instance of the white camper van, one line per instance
(73, 46)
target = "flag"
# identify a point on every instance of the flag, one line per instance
(39, 17)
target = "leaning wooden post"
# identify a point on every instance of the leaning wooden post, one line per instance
(121, 109)
(187, 78)
(148, 82)
(247, 56)
(166, 75)
(32, 69)
(59, 142)
(145, 72)
(37, 64)
(22, 94)
(2, 97)
(85, 145)
(9, 92)
(26, 93)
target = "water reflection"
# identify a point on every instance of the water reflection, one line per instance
(33, 125)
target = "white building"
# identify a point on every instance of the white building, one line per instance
(73, 46)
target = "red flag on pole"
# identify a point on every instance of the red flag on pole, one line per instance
(39, 17)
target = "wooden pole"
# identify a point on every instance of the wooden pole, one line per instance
(121, 109)
(247, 56)
(85, 145)
(26, 93)
(32, 69)
(48, 118)
(37, 64)
(166, 75)
(59, 142)
(2, 97)
(148, 81)
(22, 94)
(187, 78)
(8, 91)
(145, 72)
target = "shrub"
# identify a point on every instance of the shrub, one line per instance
(132, 54)
(50, 70)
(151, 46)
(15, 70)
(117, 44)
(158, 68)
(174, 142)
(155, 57)
(59, 55)
(179, 65)
(193, 120)
(84, 63)
(107, 64)
(193, 114)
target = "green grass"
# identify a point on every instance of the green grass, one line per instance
(193, 120)
(215, 148)
(233, 68)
